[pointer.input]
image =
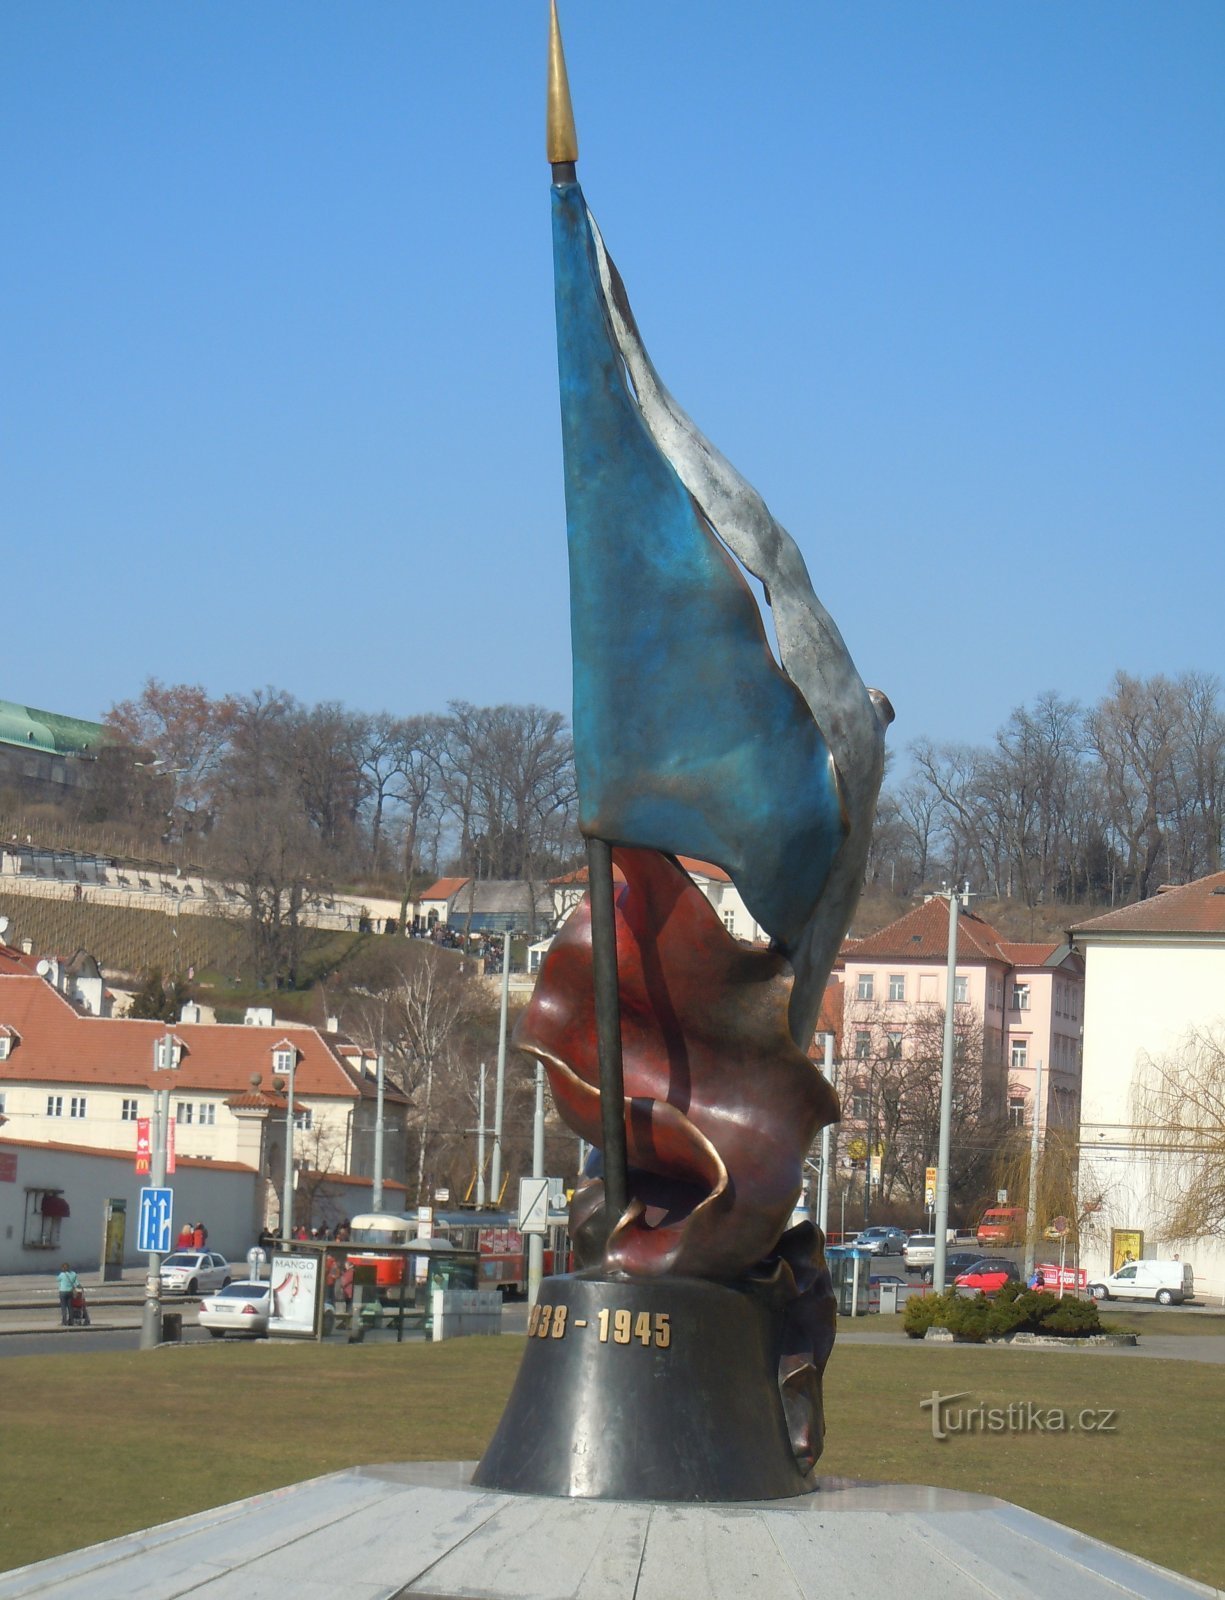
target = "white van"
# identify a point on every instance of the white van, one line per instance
(1167, 1282)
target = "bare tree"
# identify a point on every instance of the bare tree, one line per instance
(1179, 1110)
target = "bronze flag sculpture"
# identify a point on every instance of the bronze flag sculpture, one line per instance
(683, 1360)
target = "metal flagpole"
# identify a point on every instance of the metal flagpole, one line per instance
(1035, 1156)
(608, 1028)
(561, 142)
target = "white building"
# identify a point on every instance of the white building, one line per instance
(1153, 972)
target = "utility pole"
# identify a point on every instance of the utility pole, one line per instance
(826, 1131)
(499, 1092)
(287, 1176)
(376, 1180)
(480, 1142)
(535, 1243)
(1035, 1146)
(941, 1221)
(151, 1318)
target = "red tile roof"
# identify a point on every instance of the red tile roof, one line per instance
(923, 935)
(1193, 908)
(118, 1155)
(691, 864)
(16, 962)
(59, 1045)
(443, 889)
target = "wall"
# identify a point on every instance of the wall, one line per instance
(224, 1200)
(1141, 997)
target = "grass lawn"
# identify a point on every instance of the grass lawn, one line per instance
(97, 1445)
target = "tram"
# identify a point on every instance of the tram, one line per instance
(494, 1236)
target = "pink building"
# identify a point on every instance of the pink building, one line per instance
(1024, 1004)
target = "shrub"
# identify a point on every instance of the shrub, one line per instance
(1022, 1311)
(920, 1314)
(1074, 1318)
(969, 1318)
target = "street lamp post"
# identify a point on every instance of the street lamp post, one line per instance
(376, 1179)
(826, 1132)
(941, 1220)
(151, 1318)
(287, 1176)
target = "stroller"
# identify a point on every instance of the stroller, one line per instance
(78, 1316)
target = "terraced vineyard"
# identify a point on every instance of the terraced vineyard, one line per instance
(126, 940)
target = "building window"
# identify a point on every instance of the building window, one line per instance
(729, 921)
(129, 1111)
(283, 1060)
(894, 1048)
(55, 1105)
(859, 1106)
(867, 986)
(1016, 1111)
(961, 990)
(5, 1043)
(183, 1113)
(208, 1114)
(76, 1106)
(863, 1045)
(1020, 997)
(1020, 1054)
(304, 1121)
(897, 986)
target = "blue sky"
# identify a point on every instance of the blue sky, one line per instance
(943, 280)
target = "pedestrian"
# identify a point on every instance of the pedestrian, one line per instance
(199, 1236)
(186, 1237)
(67, 1283)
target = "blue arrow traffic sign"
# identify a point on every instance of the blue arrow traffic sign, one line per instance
(153, 1233)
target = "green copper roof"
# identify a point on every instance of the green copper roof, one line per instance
(47, 730)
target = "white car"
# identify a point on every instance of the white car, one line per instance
(194, 1272)
(242, 1307)
(1169, 1283)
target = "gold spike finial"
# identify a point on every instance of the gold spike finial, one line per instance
(561, 140)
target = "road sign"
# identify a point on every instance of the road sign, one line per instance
(156, 1209)
(1060, 1226)
(1001, 1197)
(533, 1205)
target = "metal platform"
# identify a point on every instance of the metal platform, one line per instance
(422, 1532)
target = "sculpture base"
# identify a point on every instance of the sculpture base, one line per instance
(662, 1390)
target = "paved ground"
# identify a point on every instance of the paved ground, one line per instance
(29, 1323)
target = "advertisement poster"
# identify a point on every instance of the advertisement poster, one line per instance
(1126, 1244)
(143, 1145)
(295, 1290)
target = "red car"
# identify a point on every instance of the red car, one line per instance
(990, 1274)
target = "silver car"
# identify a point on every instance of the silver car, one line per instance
(194, 1272)
(242, 1307)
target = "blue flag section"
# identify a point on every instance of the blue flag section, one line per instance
(689, 738)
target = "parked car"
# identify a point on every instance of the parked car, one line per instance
(242, 1307)
(1169, 1283)
(878, 1279)
(1001, 1225)
(194, 1272)
(955, 1263)
(881, 1241)
(988, 1274)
